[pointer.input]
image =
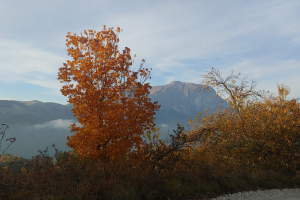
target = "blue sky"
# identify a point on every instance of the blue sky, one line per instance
(180, 40)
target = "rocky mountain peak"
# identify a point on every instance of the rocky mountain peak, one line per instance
(186, 88)
(181, 101)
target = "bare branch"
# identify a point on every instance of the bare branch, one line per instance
(238, 96)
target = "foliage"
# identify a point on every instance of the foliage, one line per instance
(164, 157)
(110, 101)
(8, 158)
(256, 135)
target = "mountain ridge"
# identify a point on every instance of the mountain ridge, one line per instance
(37, 124)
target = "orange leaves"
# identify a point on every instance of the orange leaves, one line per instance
(260, 134)
(110, 101)
(118, 30)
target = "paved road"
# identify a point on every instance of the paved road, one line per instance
(277, 194)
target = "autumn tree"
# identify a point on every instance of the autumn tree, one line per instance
(110, 100)
(252, 134)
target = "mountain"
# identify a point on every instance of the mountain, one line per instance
(32, 112)
(181, 101)
(37, 125)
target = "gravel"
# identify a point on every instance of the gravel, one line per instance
(276, 194)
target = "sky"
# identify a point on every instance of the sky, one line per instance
(180, 40)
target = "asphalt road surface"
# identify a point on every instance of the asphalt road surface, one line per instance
(276, 194)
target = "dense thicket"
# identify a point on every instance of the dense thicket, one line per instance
(262, 135)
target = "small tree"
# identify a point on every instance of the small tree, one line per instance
(110, 100)
(161, 156)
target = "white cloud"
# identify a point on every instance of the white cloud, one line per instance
(295, 41)
(260, 68)
(58, 123)
(201, 30)
(164, 125)
(55, 84)
(21, 59)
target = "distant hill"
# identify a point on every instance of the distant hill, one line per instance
(37, 125)
(32, 112)
(7, 158)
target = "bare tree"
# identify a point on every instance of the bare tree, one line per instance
(2, 132)
(236, 95)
